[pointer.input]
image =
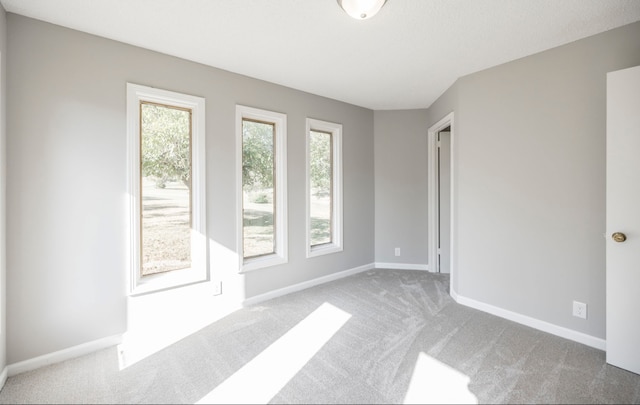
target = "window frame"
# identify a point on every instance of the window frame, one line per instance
(280, 254)
(336, 244)
(198, 272)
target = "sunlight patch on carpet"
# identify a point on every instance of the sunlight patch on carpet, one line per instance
(258, 381)
(159, 320)
(434, 382)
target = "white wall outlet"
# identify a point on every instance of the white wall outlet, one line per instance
(217, 287)
(397, 251)
(580, 309)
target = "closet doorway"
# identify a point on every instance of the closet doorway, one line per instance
(440, 197)
(444, 200)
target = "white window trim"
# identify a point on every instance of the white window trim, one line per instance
(280, 256)
(336, 225)
(198, 271)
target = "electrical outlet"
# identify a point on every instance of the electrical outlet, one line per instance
(580, 309)
(217, 287)
(397, 251)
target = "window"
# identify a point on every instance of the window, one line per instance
(262, 225)
(166, 133)
(324, 187)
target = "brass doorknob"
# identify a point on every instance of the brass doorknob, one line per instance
(619, 236)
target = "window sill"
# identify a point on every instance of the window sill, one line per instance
(324, 249)
(262, 262)
(168, 280)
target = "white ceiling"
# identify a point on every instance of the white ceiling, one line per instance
(403, 58)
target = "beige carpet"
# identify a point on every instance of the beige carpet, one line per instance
(383, 336)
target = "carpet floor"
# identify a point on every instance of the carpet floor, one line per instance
(381, 336)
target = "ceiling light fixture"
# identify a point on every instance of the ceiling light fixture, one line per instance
(361, 9)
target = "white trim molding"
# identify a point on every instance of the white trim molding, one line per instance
(544, 326)
(335, 130)
(433, 198)
(3, 376)
(62, 355)
(137, 94)
(306, 284)
(281, 255)
(402, 266)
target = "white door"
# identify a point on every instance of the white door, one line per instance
(623, 219)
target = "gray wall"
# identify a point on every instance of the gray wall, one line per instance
(67, 181)
(3, 186)
(530, 179)
(401, 188)
(445, 104)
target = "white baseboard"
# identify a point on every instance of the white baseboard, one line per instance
(306, 284)
(62, 355)
(3, 377)
(90, 347)
(402, 266)
(453, 293)
(533, 322)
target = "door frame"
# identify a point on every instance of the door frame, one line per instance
(433, 197)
